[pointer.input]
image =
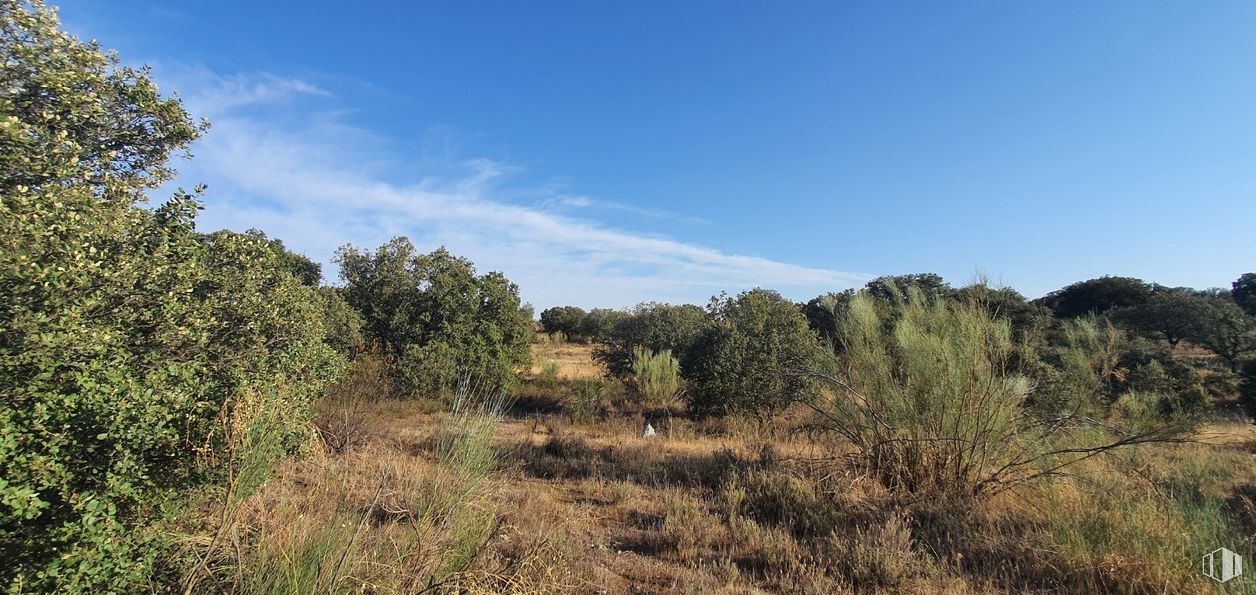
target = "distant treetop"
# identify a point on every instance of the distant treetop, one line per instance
(1096, 296)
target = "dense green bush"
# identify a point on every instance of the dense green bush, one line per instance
(653, 326)
(756, 358)
(599, 323)
(70, 116)
(437, 316)
(1243, 292)
(568, 320)
(1170, 315)
(1247, 387)
(577, 325)
(123, 377)
(129, 344)
(823, 312)
(1088, 363)
(1228, 331)
(1096, 296)
(1149, 368)
(342, 325)
(305, 270)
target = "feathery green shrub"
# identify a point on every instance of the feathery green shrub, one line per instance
(548, 376)
(932, 406)
(655, 376)
(587, 399)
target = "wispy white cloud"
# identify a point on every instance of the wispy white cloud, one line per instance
(586, 202)
(579, 202)
(318, 183)
(208, 93)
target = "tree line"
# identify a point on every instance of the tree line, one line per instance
(950, 391)
(738, 351)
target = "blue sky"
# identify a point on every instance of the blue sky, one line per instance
(605, 153)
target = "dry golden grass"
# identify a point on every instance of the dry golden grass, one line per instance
(1234, 434)
(735, 506)
(575, 360)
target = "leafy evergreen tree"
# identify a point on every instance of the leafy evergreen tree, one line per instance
(1228, 332)
(1169, 315)
(756, 358)
(599, 323)
(1096, 296)
(568, 320)
(1244, 292)
(438, 316)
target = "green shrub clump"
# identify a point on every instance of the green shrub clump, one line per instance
(653, 326)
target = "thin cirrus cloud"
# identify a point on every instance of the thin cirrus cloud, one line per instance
(308, 178)
(585, 202)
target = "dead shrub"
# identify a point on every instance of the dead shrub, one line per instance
(342, 416)
(341, 423)
(533, 400)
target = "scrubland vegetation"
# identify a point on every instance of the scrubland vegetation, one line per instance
(200, 412)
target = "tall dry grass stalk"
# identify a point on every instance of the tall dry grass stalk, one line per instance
(453, 502)
(372, 519)
(257, 432)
